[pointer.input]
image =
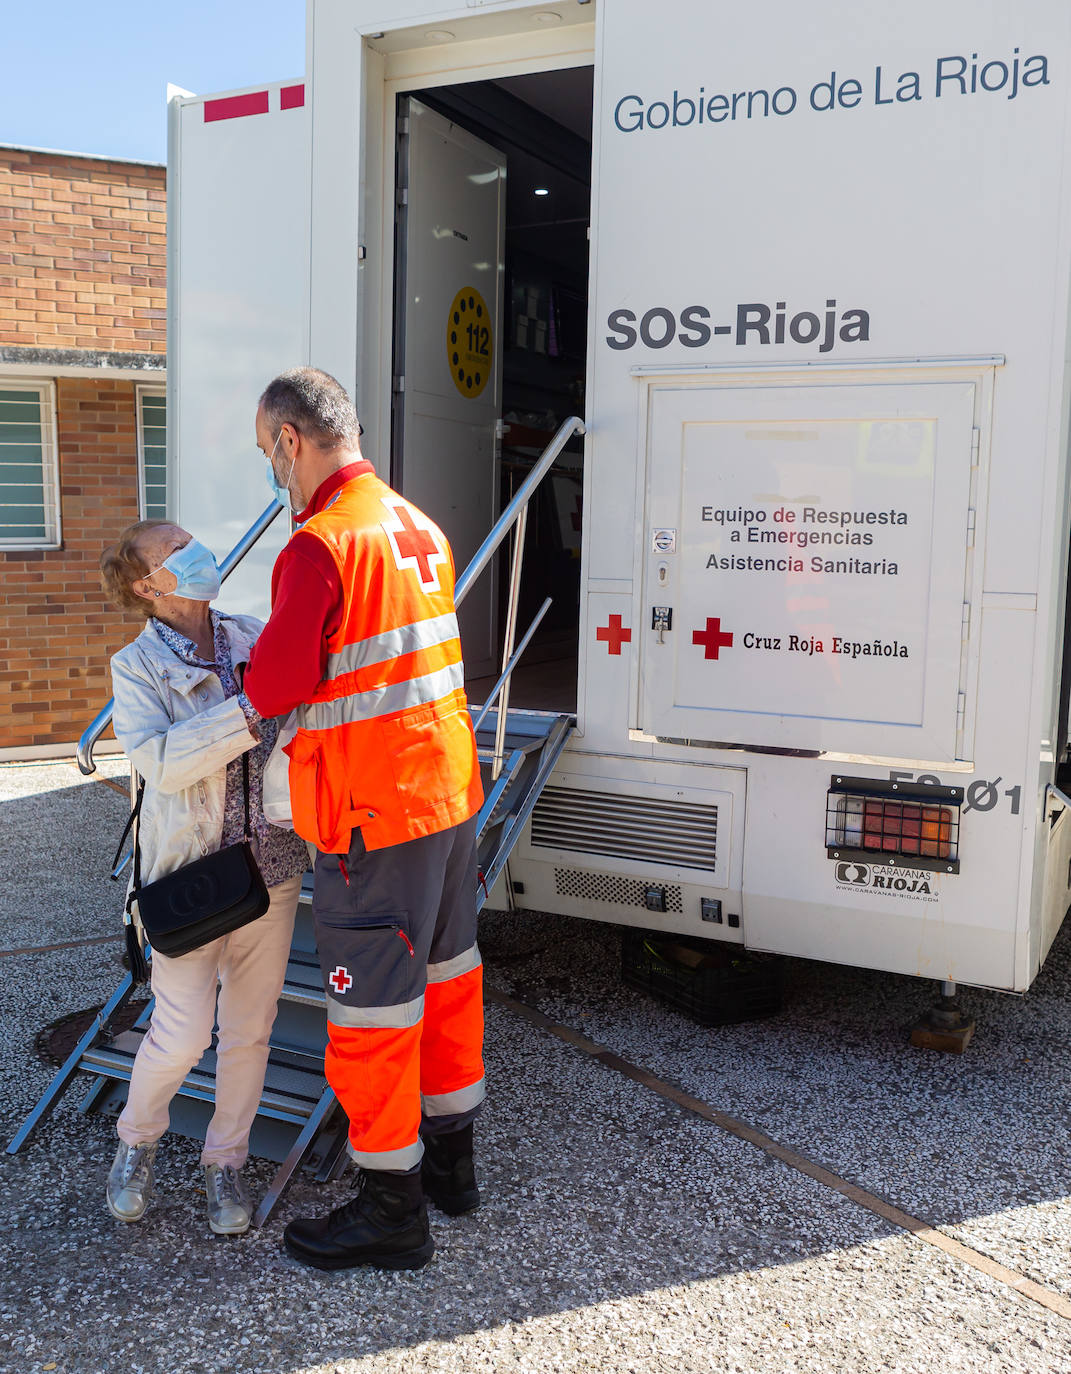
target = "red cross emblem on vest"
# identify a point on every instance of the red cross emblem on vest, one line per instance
(414, 541)
(340, 980)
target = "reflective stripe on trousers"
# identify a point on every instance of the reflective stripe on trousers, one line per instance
(404, 984)
(451, 1063)
(387, 1079)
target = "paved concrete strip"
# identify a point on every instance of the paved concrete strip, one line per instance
(66, 944)
(1028, 1288)
(123, 788)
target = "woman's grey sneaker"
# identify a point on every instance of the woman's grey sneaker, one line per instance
(130, 1181)
(230, 1208)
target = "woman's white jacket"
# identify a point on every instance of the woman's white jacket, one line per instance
(179, 732)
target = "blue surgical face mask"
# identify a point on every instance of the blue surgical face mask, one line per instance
(280, 492)
(195, 569)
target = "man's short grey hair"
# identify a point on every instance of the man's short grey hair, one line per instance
(315, 404)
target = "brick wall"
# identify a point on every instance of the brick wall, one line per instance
(82, 252)
(57, 631)
(82, 267)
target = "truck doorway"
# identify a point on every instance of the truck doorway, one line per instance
(490, 340)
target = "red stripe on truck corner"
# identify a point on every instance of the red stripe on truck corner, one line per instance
(291, 97)
(235, 106)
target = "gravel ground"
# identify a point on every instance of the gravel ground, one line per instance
(977, 1144)
(618, 1232)
(59, 833)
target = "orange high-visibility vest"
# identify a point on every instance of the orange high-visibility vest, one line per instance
(386, 742)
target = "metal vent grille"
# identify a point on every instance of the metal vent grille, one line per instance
(603, 887)
(645, 829)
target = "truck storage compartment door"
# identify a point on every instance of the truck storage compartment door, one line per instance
(805, 564)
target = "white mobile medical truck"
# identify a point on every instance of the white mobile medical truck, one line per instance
(804, 272)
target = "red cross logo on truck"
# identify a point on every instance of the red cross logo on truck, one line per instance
(713, 637)
(414, 544)
(614, 634)
(340, 980)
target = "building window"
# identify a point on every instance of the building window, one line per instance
(29, 480)
(152, 450)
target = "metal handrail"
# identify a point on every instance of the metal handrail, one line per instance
(514, 660)
(508, 518)
(93, 732)
(516, 513)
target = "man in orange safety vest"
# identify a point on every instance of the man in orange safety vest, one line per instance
(384, 781)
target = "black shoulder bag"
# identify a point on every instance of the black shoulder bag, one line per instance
(200, 901)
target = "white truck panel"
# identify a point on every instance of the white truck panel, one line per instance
(237, 309)
(837, 220)
(912, 210)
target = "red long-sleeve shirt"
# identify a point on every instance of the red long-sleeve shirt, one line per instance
(289, 658)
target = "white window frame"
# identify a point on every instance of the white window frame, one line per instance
(53, 538)
(140, 392)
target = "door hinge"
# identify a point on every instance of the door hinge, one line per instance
(398, 385)
(402, 196)
(965, 624)
(976, 443)
(961, 709)
(971, 518)
(403, 126)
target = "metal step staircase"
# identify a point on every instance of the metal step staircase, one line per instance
(299, 1122)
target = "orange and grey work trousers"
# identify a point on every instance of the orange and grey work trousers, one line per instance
(396, 931)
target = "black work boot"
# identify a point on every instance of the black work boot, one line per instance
(385, 1225)
(447, 1172)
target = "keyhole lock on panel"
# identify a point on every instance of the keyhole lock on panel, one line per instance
(661, 620)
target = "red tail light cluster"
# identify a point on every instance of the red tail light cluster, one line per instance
(901, 827)
(908, 823)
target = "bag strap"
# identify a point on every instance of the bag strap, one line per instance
(134, 814)
(245, 789)
(135, 954)
(239, 673)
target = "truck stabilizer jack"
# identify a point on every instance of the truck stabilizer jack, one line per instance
(945, 1027)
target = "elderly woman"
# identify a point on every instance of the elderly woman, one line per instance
(184, 722)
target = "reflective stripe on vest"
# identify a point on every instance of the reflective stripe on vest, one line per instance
(406, 639)
(382, 701)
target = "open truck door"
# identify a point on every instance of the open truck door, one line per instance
(449, 251)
